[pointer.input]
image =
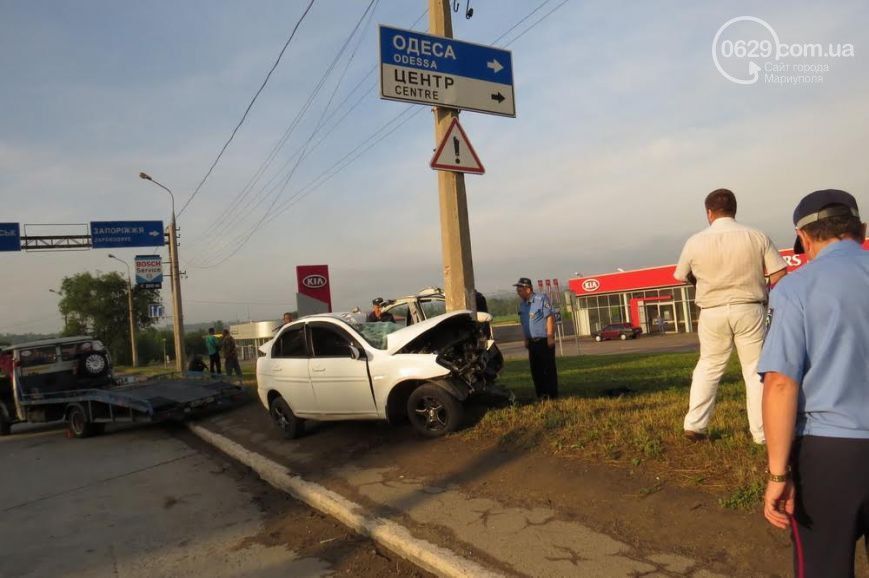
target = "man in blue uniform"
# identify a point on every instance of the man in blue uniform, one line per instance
(815, 371)
(538, 327)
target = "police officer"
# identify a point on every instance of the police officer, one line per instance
(378, 314)
(816, 387)
(538, 327)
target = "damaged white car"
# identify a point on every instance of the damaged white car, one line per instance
(340, 367)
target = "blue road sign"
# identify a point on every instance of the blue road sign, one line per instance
(10, 237)
(155, 310)
(116, 234)
(434, 70)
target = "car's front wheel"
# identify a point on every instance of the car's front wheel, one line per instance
(433, 412)
(598, 338)
(290, 425)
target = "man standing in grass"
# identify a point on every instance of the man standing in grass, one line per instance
(212, 346)
(815, 368)
(729, 263)
(538, 327)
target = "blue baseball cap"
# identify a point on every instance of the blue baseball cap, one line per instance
(821, 205)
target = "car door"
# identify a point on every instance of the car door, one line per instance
(340, 380)
(287, 369)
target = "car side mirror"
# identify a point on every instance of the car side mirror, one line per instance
(356, 353)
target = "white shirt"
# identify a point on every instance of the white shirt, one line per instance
(731, 262)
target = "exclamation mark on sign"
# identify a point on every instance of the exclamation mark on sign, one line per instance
(456, 149)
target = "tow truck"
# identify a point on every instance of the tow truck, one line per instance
(71, 379)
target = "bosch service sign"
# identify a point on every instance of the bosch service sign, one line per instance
(149, 271)
(314, 283)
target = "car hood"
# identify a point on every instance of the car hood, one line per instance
(398, 339)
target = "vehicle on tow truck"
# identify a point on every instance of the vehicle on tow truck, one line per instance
(71, 379)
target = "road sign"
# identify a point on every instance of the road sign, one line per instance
(455, 152)
(426, 69)
(149, 271)
(117, 234)
(10, 237)
(155, 310)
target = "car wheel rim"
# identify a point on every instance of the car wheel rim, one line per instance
(95, 363)
(432, 414)
(77, 422)
(281, 418)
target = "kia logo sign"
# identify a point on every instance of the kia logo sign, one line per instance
(314, 281)
(590, 285)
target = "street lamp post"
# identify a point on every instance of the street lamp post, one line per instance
(131, 311)
(178, 318)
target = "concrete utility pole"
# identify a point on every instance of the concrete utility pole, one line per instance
(131, 312)
(178, 317)
(455, 230)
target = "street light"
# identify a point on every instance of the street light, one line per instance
(131, 311)
(178, 318)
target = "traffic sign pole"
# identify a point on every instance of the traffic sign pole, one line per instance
(455, 229)
(178, 317)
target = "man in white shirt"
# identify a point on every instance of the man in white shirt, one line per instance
(729, 263)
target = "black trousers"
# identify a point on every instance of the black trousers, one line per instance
(832, 505)
(542, 360)
(214, 363)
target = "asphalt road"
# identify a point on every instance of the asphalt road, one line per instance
(643, 344)
(154, 502)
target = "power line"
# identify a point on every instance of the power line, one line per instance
(247, 110)
(231, 213)
(240, 240)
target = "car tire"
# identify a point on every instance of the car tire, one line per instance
(433, 412)
(5, 426)
(623, 337)
(93, 364)
(598, 338)
(79, 424)
(286, 421)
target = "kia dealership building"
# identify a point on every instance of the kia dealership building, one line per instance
(647, 298)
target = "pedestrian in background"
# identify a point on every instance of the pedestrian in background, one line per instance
(480, 302)
(287, 318)
(212, 347)
(815, 368)
(230, 354)
(729, 263)
(538, 327)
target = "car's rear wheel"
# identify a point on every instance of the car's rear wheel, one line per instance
(598, 338)
(5, 426)
(80, 425)
(290, 425)
(94, 365)
(623, 337)
(433, 412)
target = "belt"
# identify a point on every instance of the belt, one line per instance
(740, 303)
(537, 339)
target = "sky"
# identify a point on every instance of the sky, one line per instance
(624, 123)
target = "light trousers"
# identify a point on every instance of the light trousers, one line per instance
(720, 328)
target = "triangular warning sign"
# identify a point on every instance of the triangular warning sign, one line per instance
(455, 153)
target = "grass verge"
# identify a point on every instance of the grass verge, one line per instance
(627, 410)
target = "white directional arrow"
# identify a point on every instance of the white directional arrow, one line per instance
(495, 66)
(154, 233)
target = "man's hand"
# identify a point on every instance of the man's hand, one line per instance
(778, 503)
(550, 341)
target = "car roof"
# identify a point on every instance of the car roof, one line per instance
(44, 342)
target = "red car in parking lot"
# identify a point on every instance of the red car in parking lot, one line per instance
(621, 331)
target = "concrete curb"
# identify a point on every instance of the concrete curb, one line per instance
(393, 536)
